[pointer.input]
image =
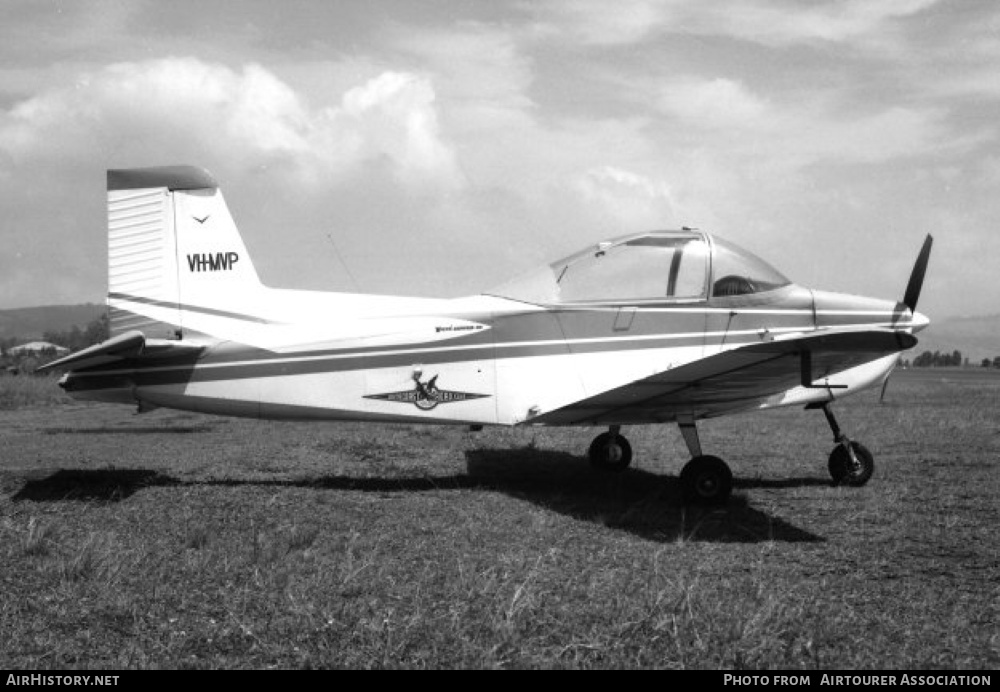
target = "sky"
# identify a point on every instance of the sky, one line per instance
(440, 147)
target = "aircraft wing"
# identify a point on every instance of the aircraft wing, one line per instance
(733, 380)
(126, 346)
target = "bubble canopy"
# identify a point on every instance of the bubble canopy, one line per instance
(660, 266)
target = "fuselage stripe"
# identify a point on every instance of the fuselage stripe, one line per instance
(276, 365)
(187, 308)
(562, 345)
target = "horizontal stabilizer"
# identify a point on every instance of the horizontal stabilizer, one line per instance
(127, 346)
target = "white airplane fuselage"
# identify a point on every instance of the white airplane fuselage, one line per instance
(651, 327)
(494, 361)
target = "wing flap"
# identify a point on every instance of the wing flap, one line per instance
(734, 379)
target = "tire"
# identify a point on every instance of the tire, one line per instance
(706, 480)
(840, 466)
(608, 455)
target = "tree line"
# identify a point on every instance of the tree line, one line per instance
(75, 338)
(940, 360)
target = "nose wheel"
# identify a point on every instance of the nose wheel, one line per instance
(610, 451)
(851, 465)
(850, 462)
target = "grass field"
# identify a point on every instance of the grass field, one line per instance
(176, 540)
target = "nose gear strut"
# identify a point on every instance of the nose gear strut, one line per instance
(850, 462)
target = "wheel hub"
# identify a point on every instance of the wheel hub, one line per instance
(707, 485)
(706, 480)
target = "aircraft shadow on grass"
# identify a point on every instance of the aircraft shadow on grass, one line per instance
(91, 485)
(123, 430)
(642, 503)
(638, 502)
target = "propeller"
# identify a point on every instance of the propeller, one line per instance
(911, 296)
(916, 282)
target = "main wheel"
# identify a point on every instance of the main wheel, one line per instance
(610, 452)
(842, 470)
(706, 480)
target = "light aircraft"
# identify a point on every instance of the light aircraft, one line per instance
(655, 327)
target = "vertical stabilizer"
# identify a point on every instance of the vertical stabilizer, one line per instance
(175, 255)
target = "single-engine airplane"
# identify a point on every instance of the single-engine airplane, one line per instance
(654, 327)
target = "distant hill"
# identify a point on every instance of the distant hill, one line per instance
(30, 324)
(976, 337)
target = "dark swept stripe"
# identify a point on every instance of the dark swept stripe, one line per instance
(188, 308)
(277, 365)
(264, 368)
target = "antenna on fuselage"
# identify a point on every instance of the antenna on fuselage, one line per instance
(347, 270)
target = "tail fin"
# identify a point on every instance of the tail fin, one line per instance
(174, 252)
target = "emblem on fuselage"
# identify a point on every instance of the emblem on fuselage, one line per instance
(426, 395)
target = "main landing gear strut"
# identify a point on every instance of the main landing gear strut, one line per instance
(850, 462)
(705, 480)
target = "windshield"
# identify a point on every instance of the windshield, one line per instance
(736, 271)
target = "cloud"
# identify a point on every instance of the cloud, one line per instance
(634, 200)
(208, 112)
(976, 85)
(778, 23)
(711, 103)
(471, 63)
(595, 22)
(482, 79)
(65, 29)
(506, 141)
(265, 141)
(768, 22)
(393, 115)
(721, 117)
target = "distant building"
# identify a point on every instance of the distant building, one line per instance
(36, 348)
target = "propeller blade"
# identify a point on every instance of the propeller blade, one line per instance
(917, 275)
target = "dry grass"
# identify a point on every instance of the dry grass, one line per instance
(173, 540)
(20, 391)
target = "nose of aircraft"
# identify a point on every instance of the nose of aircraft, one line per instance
(919, 321)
